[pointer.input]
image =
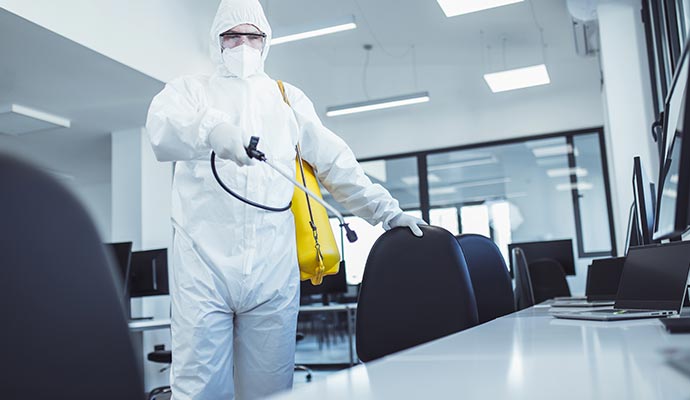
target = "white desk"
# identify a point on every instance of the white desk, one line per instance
(349, 308)
(148, 324)
(528, 355)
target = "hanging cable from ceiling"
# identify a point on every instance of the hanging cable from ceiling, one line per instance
(540, 28)
(367, 48)
(371, 31)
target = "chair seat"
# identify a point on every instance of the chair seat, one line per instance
(160, 356)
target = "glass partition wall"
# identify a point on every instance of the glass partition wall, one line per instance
(530, 189)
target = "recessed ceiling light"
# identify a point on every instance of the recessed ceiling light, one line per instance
(458, 7)
(306, 32)
(519, 78)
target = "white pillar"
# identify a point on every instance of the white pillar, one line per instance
(141, 196)
(628, 103)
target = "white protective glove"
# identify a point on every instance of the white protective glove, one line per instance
(405, 220)
(226, 142)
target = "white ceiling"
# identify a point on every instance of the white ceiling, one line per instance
(43, 70)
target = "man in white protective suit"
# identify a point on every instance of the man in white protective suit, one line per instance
(236, 294)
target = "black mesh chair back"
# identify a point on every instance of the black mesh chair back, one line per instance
(493, 289)
(524, 294)
(548, 279)
(414, 290)
(64, 332)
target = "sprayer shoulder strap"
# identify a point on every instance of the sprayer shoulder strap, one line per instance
(304, 179)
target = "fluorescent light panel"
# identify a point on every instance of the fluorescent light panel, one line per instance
(550, 151)
(306, 33)
(466, 163)
(559, 172)
(562, 187)
(458, 7)
(17, 120)
(379, 104)
(519, 78)
(414, 179)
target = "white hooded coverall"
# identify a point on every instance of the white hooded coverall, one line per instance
(236, 294)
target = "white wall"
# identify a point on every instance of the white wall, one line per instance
(628, 102)
(141, 197)
(160, 38)
(96, 200)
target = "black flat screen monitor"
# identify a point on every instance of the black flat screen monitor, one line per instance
(122, 254)
(603, 277)
(149, 273)
(655, 277)
(643, 195)
(673, 198)
(559, 250)
(331, 284)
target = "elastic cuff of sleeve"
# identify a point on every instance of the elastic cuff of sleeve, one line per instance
(209, 121)
(389, 218)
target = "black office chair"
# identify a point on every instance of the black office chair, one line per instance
(162, 356)
(300, 367)
(524, 294)
(64, 332)
(493, 289)
(414, 290)
(548, 279)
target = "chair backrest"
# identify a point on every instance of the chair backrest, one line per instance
(490, 278)
(524, 294)
(414, 290)
(548, 279)
(63, 324)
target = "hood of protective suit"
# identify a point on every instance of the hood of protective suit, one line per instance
(230, 14)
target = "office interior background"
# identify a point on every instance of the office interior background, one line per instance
(545, 162)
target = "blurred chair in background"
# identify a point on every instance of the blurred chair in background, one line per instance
(493, 289)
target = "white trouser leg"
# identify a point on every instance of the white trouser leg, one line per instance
(202, 329)
(265, 346)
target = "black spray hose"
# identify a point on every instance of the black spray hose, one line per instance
(253, 152)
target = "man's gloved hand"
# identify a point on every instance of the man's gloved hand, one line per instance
(226, 142)
(405, 220)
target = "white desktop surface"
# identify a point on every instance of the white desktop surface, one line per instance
(148, 324)
(527, 355)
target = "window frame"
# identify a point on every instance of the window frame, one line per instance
(422, 170)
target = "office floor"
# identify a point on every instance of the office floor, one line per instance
(332, 357)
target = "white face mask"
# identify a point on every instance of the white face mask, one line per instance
(242, 61)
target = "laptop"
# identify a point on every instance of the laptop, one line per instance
(652, 285)
(603, 277)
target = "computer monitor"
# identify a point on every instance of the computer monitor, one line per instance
(673, 198)
(559, 250)
(643, 197)
(331, 285)
(603, 277)
(148, 274)
(122, 254)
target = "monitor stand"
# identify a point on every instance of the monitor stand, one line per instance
(324, 299)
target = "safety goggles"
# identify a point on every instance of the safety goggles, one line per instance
(230, 40)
